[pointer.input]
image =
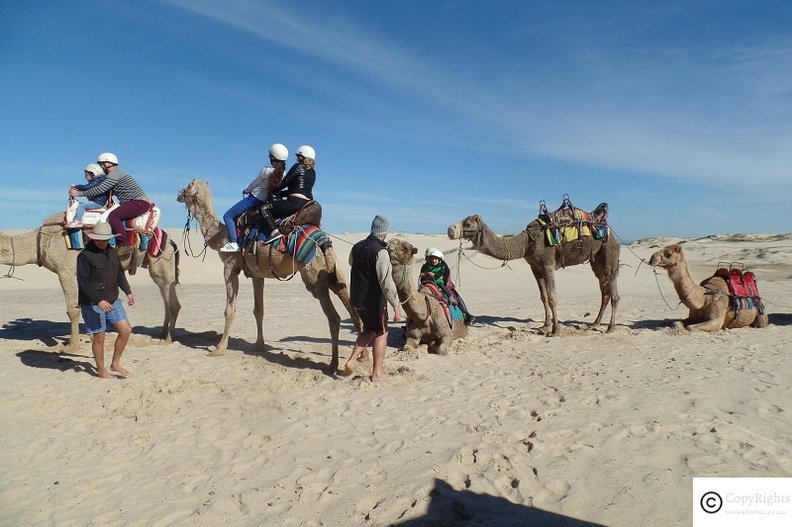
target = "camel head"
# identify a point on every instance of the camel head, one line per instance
(197, 190)
(668, 257)
(401, 251)
(468, 229)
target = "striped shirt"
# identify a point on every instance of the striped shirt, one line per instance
(124, 187)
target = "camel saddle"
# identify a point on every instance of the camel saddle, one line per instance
(450, 311)
(568, 222)
(143, 224)
(743, 289)
(309, 214)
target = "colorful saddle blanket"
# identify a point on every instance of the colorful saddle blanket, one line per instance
(743, 289)
(453, 313)
(303, 242)
(568, 223)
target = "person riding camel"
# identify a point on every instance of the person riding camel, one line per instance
(133, 201)
(257, 193)
(436, 271)
(95, 176)
(292, 193)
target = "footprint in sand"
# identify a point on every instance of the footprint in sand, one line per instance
(553, 492)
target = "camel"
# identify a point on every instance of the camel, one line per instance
(709, 303)
(426, 321)
(320, 277)
(46, 247)
(544, 259)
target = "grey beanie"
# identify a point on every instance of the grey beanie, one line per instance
(379, 226)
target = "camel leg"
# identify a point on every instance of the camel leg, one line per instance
(549, 299)
(258, 312)
(69, 286)
(342, 292)
(707, 325)
(232, 291)
(319, 287)
(609, 295)
(443, 345)
(167, 288)
(334, 323)
(760, 321)
(540, 282)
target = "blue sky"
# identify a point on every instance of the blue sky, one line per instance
(678, 114)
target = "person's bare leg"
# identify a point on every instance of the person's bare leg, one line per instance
(380, 345)
(124, 331)
(362, 340)
(97, 346)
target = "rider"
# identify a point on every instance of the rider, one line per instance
(297, 187)
(95, 175)
(436, 271)
(133, 201)
(256, 193)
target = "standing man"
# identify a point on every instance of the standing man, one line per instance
(99, 277)
(371, 290)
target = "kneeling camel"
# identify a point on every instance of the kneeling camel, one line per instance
(709, 303)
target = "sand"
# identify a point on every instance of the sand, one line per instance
(511, 428)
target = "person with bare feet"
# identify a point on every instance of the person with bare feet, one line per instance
(99, 278)
(371, 290)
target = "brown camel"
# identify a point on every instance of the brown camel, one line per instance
(544, 259)
(426, 321)
(709, 304)
(320, 277)
(46, 247)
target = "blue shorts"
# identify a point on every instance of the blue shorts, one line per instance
(96, 320)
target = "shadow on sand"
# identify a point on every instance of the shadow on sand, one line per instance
(46, 331)
(461, 507)
(52, 360)
(274, 352)
(780, 319)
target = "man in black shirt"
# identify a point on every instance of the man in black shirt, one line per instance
(99, 277)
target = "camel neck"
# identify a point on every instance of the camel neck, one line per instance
(211, 227)
(502, 248)
(690, 293)
(412, 301)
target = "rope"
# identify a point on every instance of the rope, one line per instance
(403, 284)
(339, 238)
(12, 267)
(186, 240)
(674, 308)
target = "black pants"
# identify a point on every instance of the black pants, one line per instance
(280, 209)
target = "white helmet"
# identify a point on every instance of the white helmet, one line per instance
(306, 151)
(431, 251)
(94, 169)
(108, 157)
(279, 152)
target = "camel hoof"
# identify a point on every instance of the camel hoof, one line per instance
(217, 353)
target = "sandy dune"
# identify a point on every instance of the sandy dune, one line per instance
(512, 427)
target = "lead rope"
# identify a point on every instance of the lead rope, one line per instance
(12, 267)
(403, 284)
(186, 240)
